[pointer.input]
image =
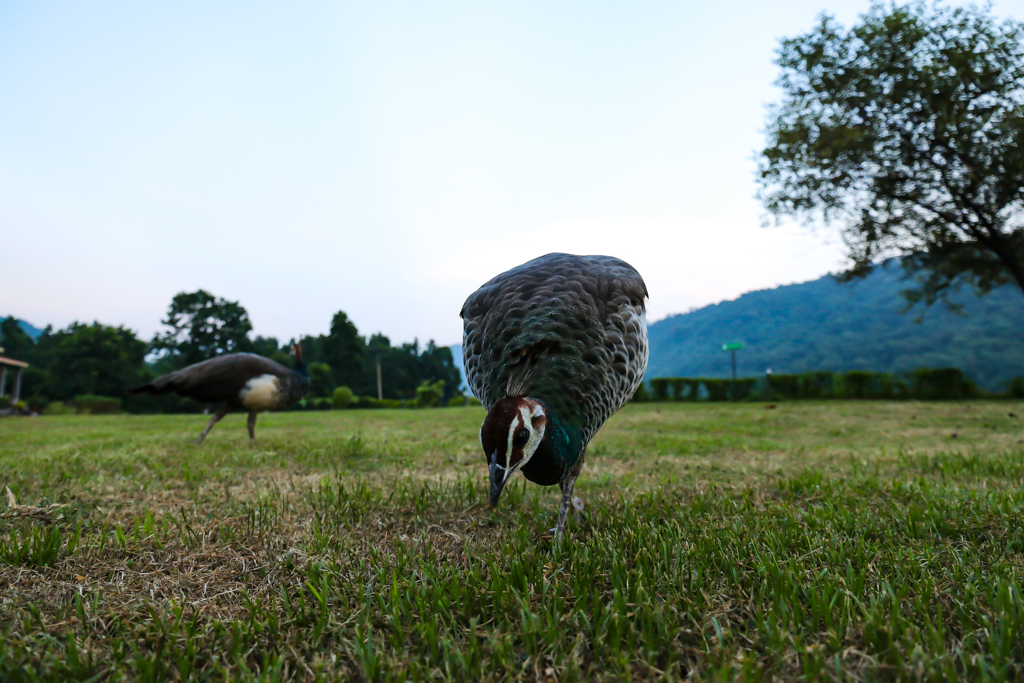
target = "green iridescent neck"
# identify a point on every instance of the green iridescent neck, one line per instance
(557, 453)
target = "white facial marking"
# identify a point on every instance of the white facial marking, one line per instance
(535, 435)
(260, 393)
(511, 434)
(524, 420)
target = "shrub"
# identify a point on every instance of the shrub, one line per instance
(659, 387)
(718, 389)
(743, 388)
(1017, 387)
(429, 395)
(315, 404)
(320, 381)
(463, 400)
(58, 408)
(641, 394)
(820, 384)
(343, 396)
(865, 384)
(784, 386)
(5, 402)
(857, 384)
(942, 384)
(97, 405)
(37, 403)
(367, 402)
(679, 386)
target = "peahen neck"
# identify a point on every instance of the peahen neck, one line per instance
(557, 453)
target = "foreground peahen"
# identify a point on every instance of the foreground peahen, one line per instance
(241, 381)
(552, 348)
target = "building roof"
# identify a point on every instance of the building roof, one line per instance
(10, 361)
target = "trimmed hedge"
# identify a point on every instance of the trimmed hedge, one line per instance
(927, 384)
(58, 408)
(343, 396)
(937, 384)
(462, 401)
(697, 388)
(97, 405)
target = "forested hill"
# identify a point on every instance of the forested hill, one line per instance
(30, 330)
(825, 325)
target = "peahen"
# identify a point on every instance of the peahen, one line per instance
(552, 348)
(241, 381)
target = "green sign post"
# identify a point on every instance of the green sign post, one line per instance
(733, 347)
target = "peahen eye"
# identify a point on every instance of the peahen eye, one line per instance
(522, 436)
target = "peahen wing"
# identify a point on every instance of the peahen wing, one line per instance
(218, 379)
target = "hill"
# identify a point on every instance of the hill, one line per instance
(825, 325)
(30, 329)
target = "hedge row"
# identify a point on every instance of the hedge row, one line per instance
(97, 405)
(344, 400)
(930, 384)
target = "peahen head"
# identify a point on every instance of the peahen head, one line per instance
(300, 367)
(510, 435)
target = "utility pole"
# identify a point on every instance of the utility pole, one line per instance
(733, 347)
(380, 388)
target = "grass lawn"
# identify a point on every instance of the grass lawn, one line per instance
(809, 541)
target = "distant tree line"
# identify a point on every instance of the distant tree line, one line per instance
(95, 360)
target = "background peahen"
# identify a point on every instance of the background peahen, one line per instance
(552, 348)
(241, 381)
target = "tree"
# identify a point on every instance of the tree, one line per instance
(343, 350)
(908, 131)
(18, 344)
(15, 341)
(269, 348)
(93, 359)
(321, 383)
(203, 327)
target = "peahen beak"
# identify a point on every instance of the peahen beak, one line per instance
(498, 477)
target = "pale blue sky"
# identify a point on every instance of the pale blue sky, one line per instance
(384, 158)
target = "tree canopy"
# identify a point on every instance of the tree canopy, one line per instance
(342, 349)
(352, 362)
(93, 359)
(907, 131)
(202, 327)
(15, 341)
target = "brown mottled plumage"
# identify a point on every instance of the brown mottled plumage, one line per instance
(241, 381)
(552, 348)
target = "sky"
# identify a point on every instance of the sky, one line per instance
(385, 159)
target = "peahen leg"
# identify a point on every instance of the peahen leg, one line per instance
(567, 485)
(213, 420)
(252, 424)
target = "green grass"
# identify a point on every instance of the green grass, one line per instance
(812, 541)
